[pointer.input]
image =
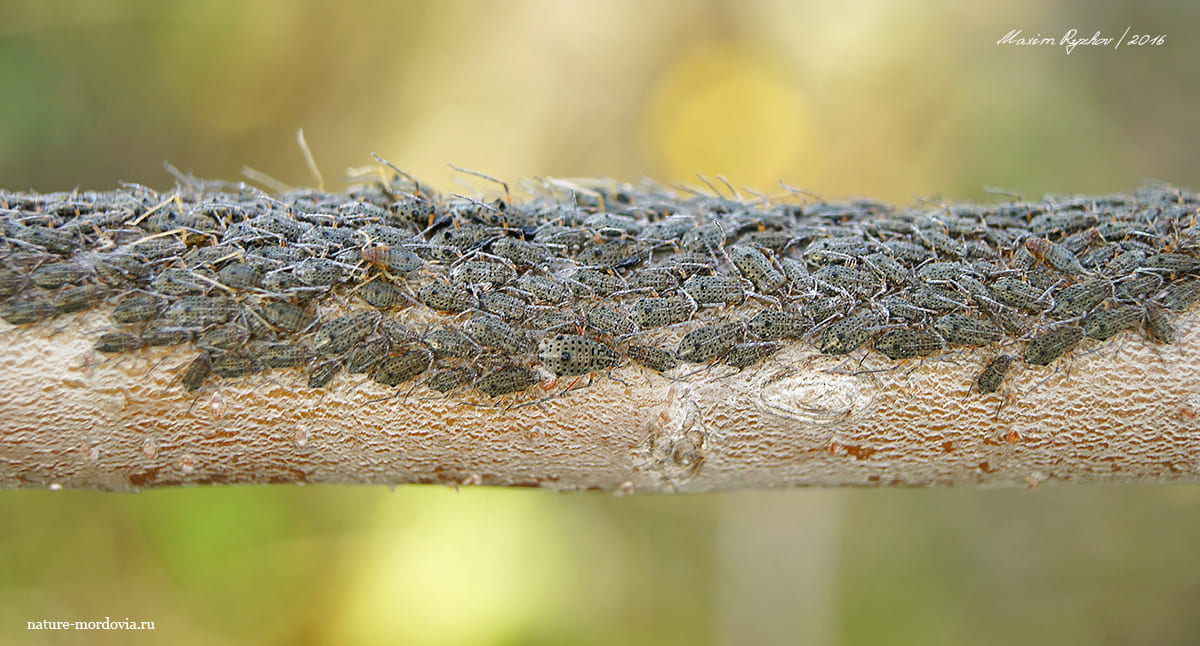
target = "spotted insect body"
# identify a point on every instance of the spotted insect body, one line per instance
(567, 355)
(960, 329)
(709, 342)
(1103, 325)
(338, 335)
(906, 344)
(1046, 347)
(848, 334)
(493, 332)
(505, 381)
(445, 297)
(397, 369)
(992, 376)
(654, 358)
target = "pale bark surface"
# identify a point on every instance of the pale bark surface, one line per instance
(1120, 410)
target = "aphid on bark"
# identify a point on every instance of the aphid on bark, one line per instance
(506, 306)
(397, 260)
(908, 252)
(450, 379)
(283, 355)
(1106, 324)
(1158, 325)
(661, 311)
(476, 272)
(568, 354)
(1080, 298)
(23, 311)
(609, 321)
(960, 329)
(621, 253)
(849, 334)
(512, 379)
(200, 311)
(587, 282)
(710, 290)
(234, 364)
(755, 266)
(657, 359)
(118, 342)
(492, 332)
(364, 357)
(992, 376)
(653, 280)
(57, 274)
(74, 299)
(283, 315)
(158, 248)
(450, 343)
(224, 337)
(1044, 348)
(11, 282)
(744, 355)
(773, 325)
(196, 372)
(180, 282)
(319, 272)
(157, 335)
(381, 295)
(835, 279)
(1138, 285)
(1054, 255)
(906, 344)
(887, 267)
(706, 343)
(445, 297)
(1174, 263)
(338, 335)
(323, 373)
(1180, 296)
(395, 370)
(520, 252)
(1020, 295)
(240, 276)
(546, 290)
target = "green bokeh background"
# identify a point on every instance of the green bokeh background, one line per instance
(891, 99)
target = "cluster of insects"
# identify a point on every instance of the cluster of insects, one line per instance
(395, 282)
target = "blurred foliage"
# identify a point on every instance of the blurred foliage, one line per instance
(883, 98)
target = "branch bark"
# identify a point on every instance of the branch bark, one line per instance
(1121, 410)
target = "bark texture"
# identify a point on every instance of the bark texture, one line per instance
(1119, 410)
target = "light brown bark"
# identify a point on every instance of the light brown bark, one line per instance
(1122, 410)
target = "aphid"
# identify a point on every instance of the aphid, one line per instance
(654, 280)
(449, 379)
(1076, 243)
(319, 272)
(708, 237)
(445, 297)
(240, 276)
(462, 238)
(196, 372)
(609, 321)
(506, 306)
(1125, 263)
(942, 243)
(1175, 263)
(657, 359)
(450, 343)
(57, 274)
(773, 325)
(22, 311)
(847, 335)
(338, 335)
(827, 251)
(709, 342)
(364, 357)
(158, 248)
(1106, 324)
(905, 344)
(283, 315)
(756, 268)
(73, 299)
(1048, 346)
(281, 281)
(744, 355)
(118, 342)
(837, 279)
(397, 260)
(773, 240)
(388, 236)
(168, 220)
(179, 282)
(1180, 296)
(332, 237)
(908, 252)
(613, 224)
(1080, 298)
(1020, 295)
(520, 252)
(544, 289)
(48, 239)
(621, 253)
(283, 355)
(279, 225)
(709, 290)
(1138, 285)
(381, 295)
(941, 271)
(200, 311)
(492, 332)
(395, 370)
(655, 312)
(512, 379)
(1054, 255)
(992, 376)
(960, 329)
(136, 307)
(11, 282)
(233, 364)
(587, 282)
(225, 337)
(476, 272)
(887, 267)
(569, 354)
(323, 373)
(1158, 325)
(935, 297)
(903, 308)
(156, 335)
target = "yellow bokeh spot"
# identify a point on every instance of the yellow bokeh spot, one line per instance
(718, 111)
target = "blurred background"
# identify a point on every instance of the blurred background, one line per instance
(891, 99)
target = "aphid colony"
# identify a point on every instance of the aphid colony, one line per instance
(392, 281)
